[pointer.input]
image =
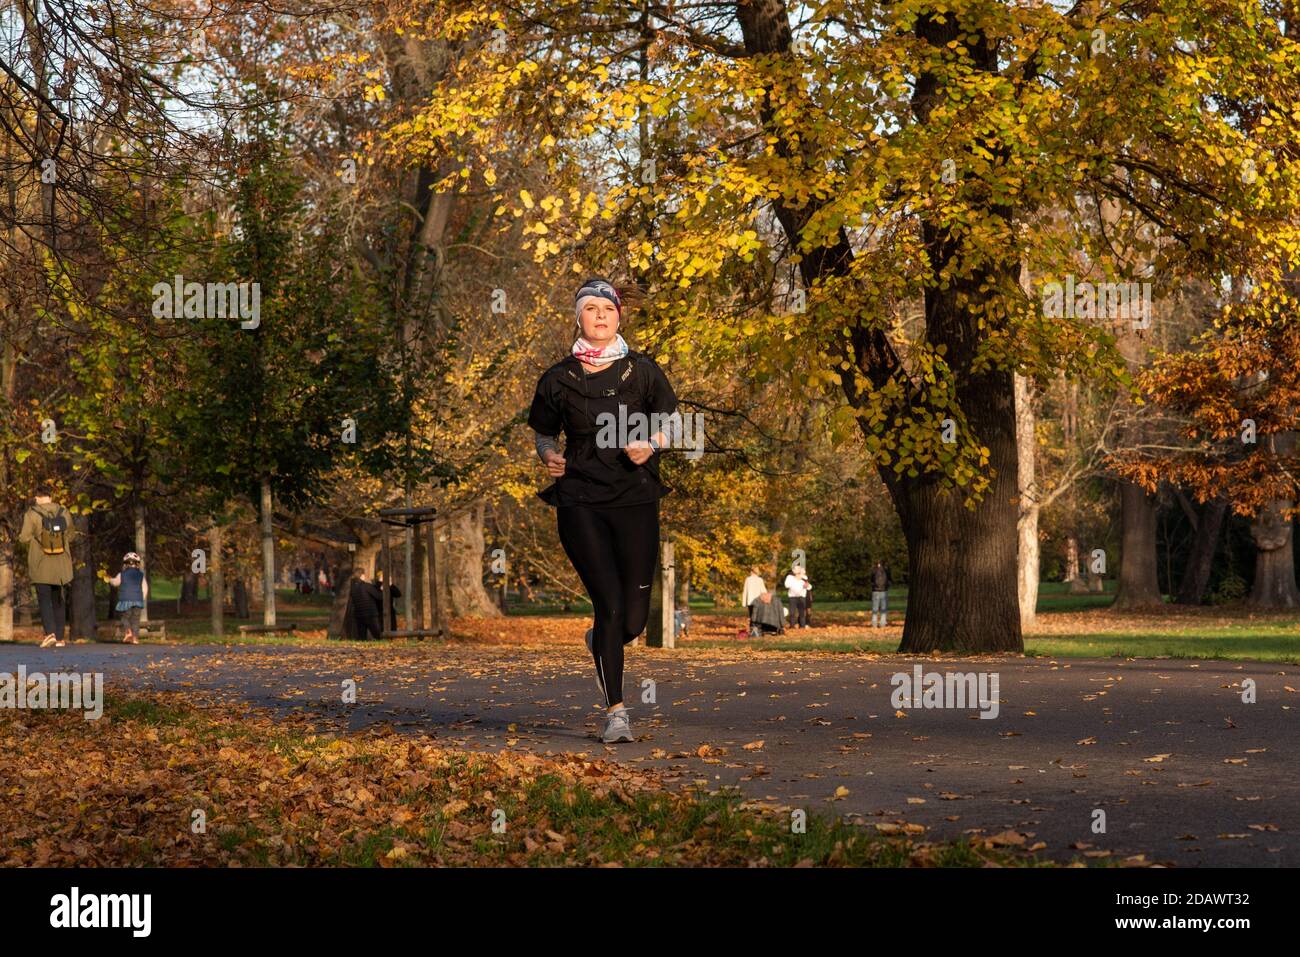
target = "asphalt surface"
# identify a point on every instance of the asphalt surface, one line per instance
(1185, 772)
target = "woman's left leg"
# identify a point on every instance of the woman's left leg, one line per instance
(637, 549)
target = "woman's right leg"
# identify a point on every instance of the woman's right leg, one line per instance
(588, 540)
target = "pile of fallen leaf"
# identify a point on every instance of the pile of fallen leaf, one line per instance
(167, 779)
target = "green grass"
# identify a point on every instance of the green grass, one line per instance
(1120, 645)
(1278, 642)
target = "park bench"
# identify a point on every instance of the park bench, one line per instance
(268, 628)
(151, 629)
(412, 633)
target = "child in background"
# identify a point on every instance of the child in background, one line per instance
(132, 593)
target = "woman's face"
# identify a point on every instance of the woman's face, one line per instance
(599, 321)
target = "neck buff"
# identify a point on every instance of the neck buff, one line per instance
(595, 356)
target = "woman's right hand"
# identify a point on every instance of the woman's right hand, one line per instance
(554, 463)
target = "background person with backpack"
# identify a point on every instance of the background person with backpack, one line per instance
(47, 532)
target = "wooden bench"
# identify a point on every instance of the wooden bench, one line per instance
(289, 626)
(413, 633)
(152, 629)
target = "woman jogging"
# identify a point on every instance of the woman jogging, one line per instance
(613, 406)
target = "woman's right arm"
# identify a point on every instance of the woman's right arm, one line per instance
(549, 453)
(544, 444)
(545, 419)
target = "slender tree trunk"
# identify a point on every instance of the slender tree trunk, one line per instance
(8, 389)
(6, 590)
(1200, 563)
(141, 548)
(1275, 585)
(1139, 586)
(420, 584)
(268, 555)
(82, 604)
(1071, 558)
(1027, 524)
(216, 581)
(240, 596)
(408, 570)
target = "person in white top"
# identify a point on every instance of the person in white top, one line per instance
(798, 587)
(752, 588)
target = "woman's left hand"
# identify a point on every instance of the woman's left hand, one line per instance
(639, 452)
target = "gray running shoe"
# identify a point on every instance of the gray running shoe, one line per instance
(599, 683)
(617, 727)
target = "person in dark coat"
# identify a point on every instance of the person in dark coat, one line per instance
(365, 607)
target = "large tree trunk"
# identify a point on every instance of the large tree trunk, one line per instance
(216, 581)
(82, 604)
(1027, 524)
(1200, 563)
(1139, 586)
(463, 567)
(1275, 586)
(268, 555)
(961, 589)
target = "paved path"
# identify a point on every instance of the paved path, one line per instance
(1186, 773)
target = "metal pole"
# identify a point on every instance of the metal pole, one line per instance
(408, 539)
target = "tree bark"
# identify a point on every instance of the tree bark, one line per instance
(216, 581)
(82, 602)
(1027, 523)
(962, 593)
(141, 543)
(240, 597)
(1139, 584)
(1077, 580)
(268, 555)
(1275, 586)
(1200, 563)
(6, 590)
(418, 601)
(463, 568)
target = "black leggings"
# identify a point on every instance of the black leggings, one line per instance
(613, 550)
